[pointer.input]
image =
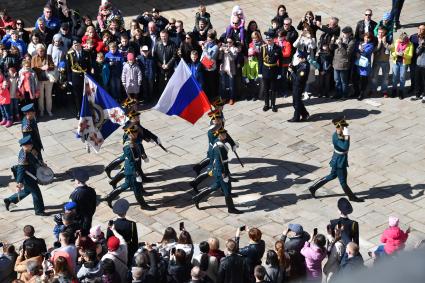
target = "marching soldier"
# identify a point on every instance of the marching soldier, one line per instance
(221, 173)
(143, 134)
(216, 123)
(299, 77)
(78, 63)
(29, 128)
(25, 175)
(131, 156)
(269, 70)
(339, 161)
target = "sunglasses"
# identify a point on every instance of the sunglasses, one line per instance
(368, 15)
(235, 23)
(19, 23)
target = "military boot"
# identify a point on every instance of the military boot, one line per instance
(198, 167)
(313, 188)
(116, 179)
(143, 204)
(231, 206)
(199, 197)
(351, 196)
(111, 166)
(113, 195)
(199, 179)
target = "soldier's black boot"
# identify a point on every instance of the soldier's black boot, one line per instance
(273, 101)
(199, 179)
(143, 204)
(231, 206)
(199, 197)
(113, 195)
(115, 180)
(6, 203)
(198, 167)
(313, 188)
(111, 166)
(351, 196)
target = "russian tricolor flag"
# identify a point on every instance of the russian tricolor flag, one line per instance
(183, 97)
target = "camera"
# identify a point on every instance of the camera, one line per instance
(46, 255)
(242, 228)
(181, 226)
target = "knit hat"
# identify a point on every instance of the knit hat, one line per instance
(386, 16)
(130, 56)
(95, 232)
(113, 243)
(393, 221)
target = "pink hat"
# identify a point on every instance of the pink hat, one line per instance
(393, 221)
(95, 232)
(130, 56)
(251, 52)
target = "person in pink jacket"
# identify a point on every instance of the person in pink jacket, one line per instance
(314, 252)
(393, 237)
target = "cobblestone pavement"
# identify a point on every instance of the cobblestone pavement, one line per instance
(386, 157)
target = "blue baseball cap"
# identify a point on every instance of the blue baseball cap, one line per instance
(28, 108)
(70, 205)
(386, 16)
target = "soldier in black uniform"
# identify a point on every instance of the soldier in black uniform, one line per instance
(78, 63)
(299, 75)
(85, 198)
(349, 228)
(126, 228)
(269, 70)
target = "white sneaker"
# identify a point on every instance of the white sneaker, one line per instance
(50, 114)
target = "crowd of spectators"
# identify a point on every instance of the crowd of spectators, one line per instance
(138, 59)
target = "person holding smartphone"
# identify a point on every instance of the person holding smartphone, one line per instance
(339, 161)
(314, 252)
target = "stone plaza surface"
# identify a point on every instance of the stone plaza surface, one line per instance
(386, 156)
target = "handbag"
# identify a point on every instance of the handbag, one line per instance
(207, 62)
(52, 75)
(362, 61)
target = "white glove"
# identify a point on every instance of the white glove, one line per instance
(146, 160)
(260, 76)
(158, 141)
(279, 77)
(345, 131)
(236, 146)
(247, 80)
(226, 179)
(70, 83)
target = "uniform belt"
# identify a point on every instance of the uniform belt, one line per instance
(225, 160)
(77, 71)
(270, 65)
(340, 152)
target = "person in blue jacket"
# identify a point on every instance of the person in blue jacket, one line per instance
(12, 39)
(364, 53)
(339, 161)
(50, 21)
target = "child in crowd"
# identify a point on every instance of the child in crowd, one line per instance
(115, 60)
(131, 77)
(324, 59)
(195, 67)
(15, 95)
(250, 75)
(7, 118)
(393, 237)
(147, 65)
(28, 83)
(101, 71)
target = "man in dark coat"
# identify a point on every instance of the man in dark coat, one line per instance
(350, 228)
(352, 261)
(30, 240)
(293, 247)
(233, 268)
(85, 198)
(125, 227)
(364, 26)
(165, 55)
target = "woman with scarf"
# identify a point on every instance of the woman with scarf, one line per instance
(58, 52)
(401, 55)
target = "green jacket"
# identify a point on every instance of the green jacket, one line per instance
(340, 155)
(250, 69)
(130, 156)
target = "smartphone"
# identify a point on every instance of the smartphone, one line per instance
(315, 231)
(242, 228)
(47, 256)
(173, 251)
(181, 226)
(318, 18)
(153, 245)
(111, 223)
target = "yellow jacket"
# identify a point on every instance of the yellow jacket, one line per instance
(407, 54)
